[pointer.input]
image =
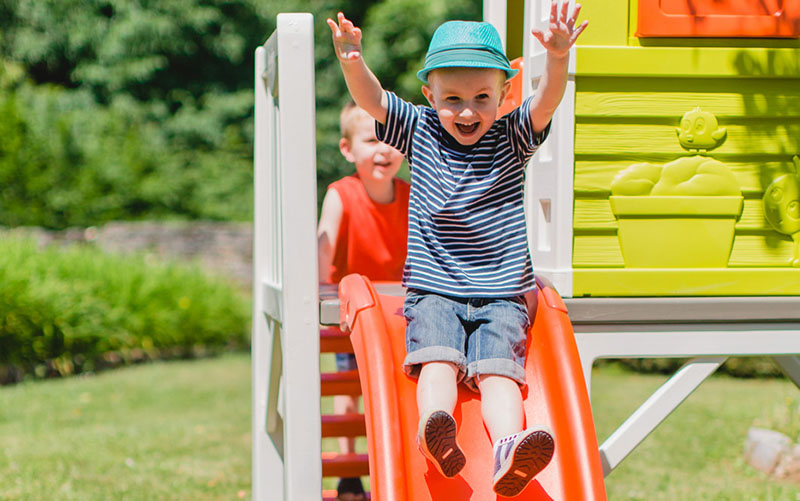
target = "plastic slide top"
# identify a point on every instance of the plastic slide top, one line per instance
(556, 395)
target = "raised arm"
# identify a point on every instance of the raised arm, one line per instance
(363, 85)
(558, 39)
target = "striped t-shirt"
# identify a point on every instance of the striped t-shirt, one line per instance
(466, 228)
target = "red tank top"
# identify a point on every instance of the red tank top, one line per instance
(372, 237)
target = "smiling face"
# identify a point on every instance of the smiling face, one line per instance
(374, 160)
(698, 130)
(466, 100)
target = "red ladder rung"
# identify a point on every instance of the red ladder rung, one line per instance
(344, 465)
(332, 340)
(340, 383)
(344, 425)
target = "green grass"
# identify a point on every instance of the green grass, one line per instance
(181, 431)
(161, 431)
(696, 454)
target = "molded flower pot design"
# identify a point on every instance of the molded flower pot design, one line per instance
(676, 231)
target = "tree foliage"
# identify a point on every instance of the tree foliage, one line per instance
(125, 109)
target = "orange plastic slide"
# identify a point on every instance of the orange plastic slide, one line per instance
(556, 395)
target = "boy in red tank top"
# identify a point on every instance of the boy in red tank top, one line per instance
(363, 228)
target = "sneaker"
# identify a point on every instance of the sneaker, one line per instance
(350, 489)
(520, 457)
(436, 438)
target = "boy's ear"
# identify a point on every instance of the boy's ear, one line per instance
(428, 93)
(344, 148)
(504, 90)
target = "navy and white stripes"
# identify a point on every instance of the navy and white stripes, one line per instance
(466, 232)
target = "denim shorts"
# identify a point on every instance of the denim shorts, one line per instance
(480, 336)
(346, 362)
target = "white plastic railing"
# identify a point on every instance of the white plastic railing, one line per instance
(549, 183)
(285, 336)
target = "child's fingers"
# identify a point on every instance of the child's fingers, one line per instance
(564, 12)
(578, 31)
(574, 18)
(540, 36)
(334, 27)
(346, 24)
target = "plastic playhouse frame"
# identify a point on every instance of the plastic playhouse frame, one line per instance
(287, 310)
(285, 338)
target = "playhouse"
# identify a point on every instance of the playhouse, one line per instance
(664, 208)
(636, 77)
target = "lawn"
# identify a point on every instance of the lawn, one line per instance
(696, 454)
(161, 431)
(181, 430)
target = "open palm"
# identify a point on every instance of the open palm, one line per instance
(346, 38)
(561, 33)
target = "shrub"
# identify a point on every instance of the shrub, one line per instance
(745, 367)
(70, 310)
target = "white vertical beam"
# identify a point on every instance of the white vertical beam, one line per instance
(300, 332)
(550, 177)
(267, 469)
(495, 13)
(285, 343)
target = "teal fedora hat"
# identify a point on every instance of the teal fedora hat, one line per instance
(465, 44)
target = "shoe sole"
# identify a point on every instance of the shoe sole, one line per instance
(530, 457)
(440, 444)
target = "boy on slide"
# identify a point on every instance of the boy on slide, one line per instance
(468, 265)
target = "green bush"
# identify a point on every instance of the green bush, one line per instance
(76, 309)
(745, 367)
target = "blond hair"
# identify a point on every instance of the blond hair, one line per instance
(350, 114)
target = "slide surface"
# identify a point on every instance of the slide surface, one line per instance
(556, 395)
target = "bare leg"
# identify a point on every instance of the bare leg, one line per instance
(437, 387)
(501, 405)
(346, 404)
(519, 455)
(437, 392)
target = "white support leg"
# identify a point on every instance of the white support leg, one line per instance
(650, 414)
(267, 453)
(285, 341)
(790, 364)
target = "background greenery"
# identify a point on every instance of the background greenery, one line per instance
(67, 311)
(132, 109)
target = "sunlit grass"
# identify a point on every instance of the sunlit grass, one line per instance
(178, 430)
(181, 430)
(696, 454)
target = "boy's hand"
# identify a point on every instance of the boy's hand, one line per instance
(562, 32)
(346, 38)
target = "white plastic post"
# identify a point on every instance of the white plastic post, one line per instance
(285, 339)
(495, 13)
(549, 181)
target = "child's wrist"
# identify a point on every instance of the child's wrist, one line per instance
(558, 57)
(349, 60)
